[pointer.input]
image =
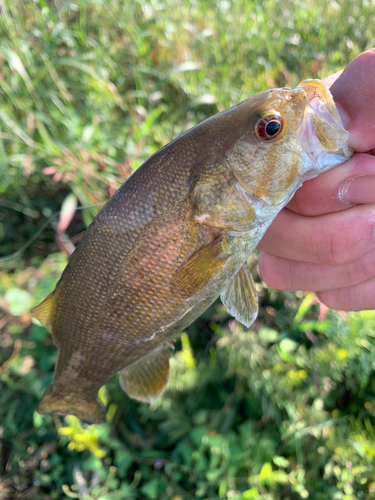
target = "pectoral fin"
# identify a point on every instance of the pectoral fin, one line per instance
(198, 270)
(43, 312)
(146, 379)
(240, 297)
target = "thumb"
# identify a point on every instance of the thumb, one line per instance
(354, 95)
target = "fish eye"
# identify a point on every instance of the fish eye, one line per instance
(268, 125)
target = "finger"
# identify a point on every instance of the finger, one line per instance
(330, 80)
(349, 184)
(355, 298)
(330, 239)
(284, 274)
(354, 95)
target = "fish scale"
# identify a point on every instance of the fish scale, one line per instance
(177, 235)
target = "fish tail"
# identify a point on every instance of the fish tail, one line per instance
(90, 411)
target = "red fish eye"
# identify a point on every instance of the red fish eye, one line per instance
(268, 126)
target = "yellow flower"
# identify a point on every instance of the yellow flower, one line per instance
(342, 353)
(81, 439)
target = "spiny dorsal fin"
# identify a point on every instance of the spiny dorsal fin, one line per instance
(43, 312)
(198, 270)
(240, 297)
(146, 379)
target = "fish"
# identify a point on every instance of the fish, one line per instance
(175, 237)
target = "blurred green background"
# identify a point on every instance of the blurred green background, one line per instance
(89, 89)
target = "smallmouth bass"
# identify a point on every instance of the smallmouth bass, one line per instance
(177, 235)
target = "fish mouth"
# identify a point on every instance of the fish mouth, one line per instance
(321, 132)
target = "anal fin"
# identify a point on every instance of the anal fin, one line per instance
(146, 379)
(240, 297)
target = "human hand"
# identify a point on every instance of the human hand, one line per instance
(324, 240)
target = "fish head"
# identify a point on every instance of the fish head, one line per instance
(293, 135)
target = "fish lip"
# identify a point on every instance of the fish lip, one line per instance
(315, 151)
(345, 151)
(321, 131)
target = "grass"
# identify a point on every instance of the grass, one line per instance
(89, 90)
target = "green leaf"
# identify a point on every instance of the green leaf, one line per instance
(19, 301)
(280, 461)
(266, 474)
(151, 489)
(252, 494)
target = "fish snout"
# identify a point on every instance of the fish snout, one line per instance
(321, 133)
(295, 103)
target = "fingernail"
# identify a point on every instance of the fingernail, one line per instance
(357, 190)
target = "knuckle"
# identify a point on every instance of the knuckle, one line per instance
(366, 268)
(329, 250)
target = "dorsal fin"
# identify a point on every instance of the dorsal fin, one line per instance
(146, 379)
(43, 312)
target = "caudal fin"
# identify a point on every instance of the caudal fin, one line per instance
(89, 411)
